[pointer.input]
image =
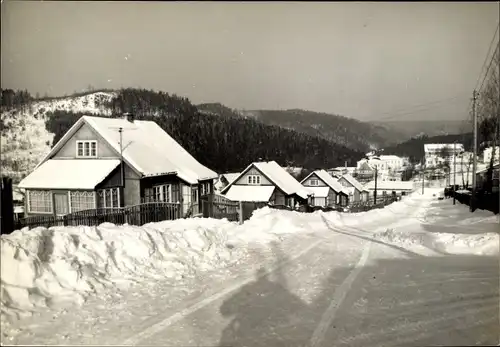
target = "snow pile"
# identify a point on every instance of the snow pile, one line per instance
(63, 265)
(25, 139)
(459, 243)
(268, 225)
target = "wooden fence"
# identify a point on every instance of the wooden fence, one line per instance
(484, 201)
(219, 207)
(134, 215)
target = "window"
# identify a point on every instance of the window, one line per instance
(86, 149)
(205, 188)
(314, 182)
(253, 179)
(81, 201)
(162, 193)
(107, 198)
(39, 201)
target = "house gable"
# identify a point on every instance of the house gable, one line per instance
(84, 133)
(252, 170)
(307, 181)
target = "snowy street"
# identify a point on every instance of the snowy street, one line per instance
(421, 272)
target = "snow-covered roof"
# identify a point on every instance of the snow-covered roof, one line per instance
(286, 182)
(390, 185)
(327, 178)
(230, 177)
(484, 168)
(354, 182)
(319, 192)
(147, 148)
(277, 175)
(250, 193)
(69, 174)
(390, 157)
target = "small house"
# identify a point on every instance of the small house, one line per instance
(326, 191)
(267, 182)
(115, 162)
(354, 189)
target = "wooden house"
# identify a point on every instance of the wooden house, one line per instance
(267, 182)
(115, 162)
(326, 191)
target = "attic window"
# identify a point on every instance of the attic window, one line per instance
(253, 179)
(314, 182)
(86, 149)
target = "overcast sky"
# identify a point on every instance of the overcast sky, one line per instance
(361, 60)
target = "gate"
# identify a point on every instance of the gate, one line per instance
(219, 207)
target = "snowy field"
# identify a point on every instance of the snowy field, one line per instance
(51, 271)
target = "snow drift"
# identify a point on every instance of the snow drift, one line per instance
(51, 267)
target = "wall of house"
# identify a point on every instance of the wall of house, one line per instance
(243, 180)
(332, 198)
(132, 190)
(307, 182)
(53, 192)
(319, 202)
(85, 133)
(278, 197)
(356, 196)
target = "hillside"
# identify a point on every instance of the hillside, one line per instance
(24, 137)
(345, 131)
(414, 148)
(413, 128)
(221, 143)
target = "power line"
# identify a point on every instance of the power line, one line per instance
(486, 58)
(489, 66)
(415, 110)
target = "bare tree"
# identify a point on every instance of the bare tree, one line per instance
(489, 112)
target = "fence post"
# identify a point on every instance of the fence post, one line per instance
(240, 214)
(210, 206)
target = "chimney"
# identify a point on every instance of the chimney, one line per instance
(129, 117)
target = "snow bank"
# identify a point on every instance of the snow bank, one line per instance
(266, 225)
(63, 265)
(456, 243)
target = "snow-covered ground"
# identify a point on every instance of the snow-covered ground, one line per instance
(26, 140)
(54, 269)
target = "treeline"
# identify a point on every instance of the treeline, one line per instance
(414, 148)
(223, 144)
(14, 99)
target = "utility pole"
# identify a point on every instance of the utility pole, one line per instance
(454, 169)
(122, 174)
(375, 192)
(423, 175)
(472, 204)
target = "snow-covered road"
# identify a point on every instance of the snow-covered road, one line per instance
(396, 277)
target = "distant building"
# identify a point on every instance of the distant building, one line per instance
(488, 152)
(440, 153)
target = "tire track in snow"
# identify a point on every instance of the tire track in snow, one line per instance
(165, 323)
(338, 298)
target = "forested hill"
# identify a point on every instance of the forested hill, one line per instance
(221, 143)
(346, 131)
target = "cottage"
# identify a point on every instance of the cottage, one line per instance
(85, 169)
(353, 188)
(390, 188)
(266, 182)
(364, 170)
(224, 180)
(325, 189)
